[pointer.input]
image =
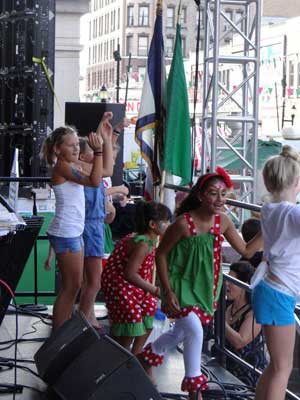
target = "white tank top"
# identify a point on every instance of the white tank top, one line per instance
(69, 210)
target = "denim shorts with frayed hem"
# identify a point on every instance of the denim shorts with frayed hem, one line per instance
(271, 306)
(63, 245)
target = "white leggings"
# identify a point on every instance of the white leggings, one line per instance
(189, 331)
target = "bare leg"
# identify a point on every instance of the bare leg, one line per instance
(71, 267)
(273, 382)
(195, 395)
(124, 341)
(139, 342)
(90, 287)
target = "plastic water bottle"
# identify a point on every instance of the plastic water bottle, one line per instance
(160, 324)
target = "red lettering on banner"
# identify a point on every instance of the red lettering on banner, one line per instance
(130, 107)
(133, 106)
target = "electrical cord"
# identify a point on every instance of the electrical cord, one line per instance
(8, 288)
(236, 391)
(42, 316)
(13, 342)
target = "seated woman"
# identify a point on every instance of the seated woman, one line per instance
(243, 334)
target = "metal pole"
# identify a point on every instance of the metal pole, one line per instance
(127, 78)
(118, 74)
(283, 82)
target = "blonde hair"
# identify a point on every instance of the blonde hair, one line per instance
(53, 140)
(280, 171)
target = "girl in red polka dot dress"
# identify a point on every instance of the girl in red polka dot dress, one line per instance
(127, 279)
(189, 268)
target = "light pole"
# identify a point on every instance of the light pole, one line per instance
(117, 58)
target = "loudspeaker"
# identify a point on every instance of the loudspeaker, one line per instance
(63, 346)
(105, 370)
(86, 116)
(15, 250)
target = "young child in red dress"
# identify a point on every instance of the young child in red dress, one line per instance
(127, 279)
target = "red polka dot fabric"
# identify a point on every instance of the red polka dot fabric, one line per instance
(151, 358)
(125, 302)
(194, 384)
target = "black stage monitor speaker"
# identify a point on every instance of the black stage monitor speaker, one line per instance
(105, 370)
(86, 116)
(15, 250)
(63, 346)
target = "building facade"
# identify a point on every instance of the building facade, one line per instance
(123, 28)
(120, 28)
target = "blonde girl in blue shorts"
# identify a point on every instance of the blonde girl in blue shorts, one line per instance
(61, 150)
(274, 297)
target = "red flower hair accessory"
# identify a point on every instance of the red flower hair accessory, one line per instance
(221, 172)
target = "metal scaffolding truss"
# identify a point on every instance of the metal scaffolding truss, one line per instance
(231, 108)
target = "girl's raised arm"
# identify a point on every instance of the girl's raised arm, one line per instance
(247, 250)
(105, 130)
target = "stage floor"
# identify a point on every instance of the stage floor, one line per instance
(168, 377)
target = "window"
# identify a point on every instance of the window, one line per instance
(89, 81)
(170, 17)
(227, 25)
(144, 16)
(141, 72)
(169, 46)
(238, 19)
(129, 45)
(143, 45)
(130, 18)
(101, 26)
(202, 14)
(291, 74)
(183, 16)
(106, 23)
(112, 21)
(201, 44)
(183, 45)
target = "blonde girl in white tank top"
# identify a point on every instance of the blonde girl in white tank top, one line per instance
(69, 175)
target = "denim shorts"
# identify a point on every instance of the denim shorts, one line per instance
(62, 245)
(93, 237)
(273, 304)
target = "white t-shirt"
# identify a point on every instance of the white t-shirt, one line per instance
(281, 232)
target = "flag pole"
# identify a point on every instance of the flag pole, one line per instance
(179, 13)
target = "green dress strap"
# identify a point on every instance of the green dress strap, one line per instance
(143, 238)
